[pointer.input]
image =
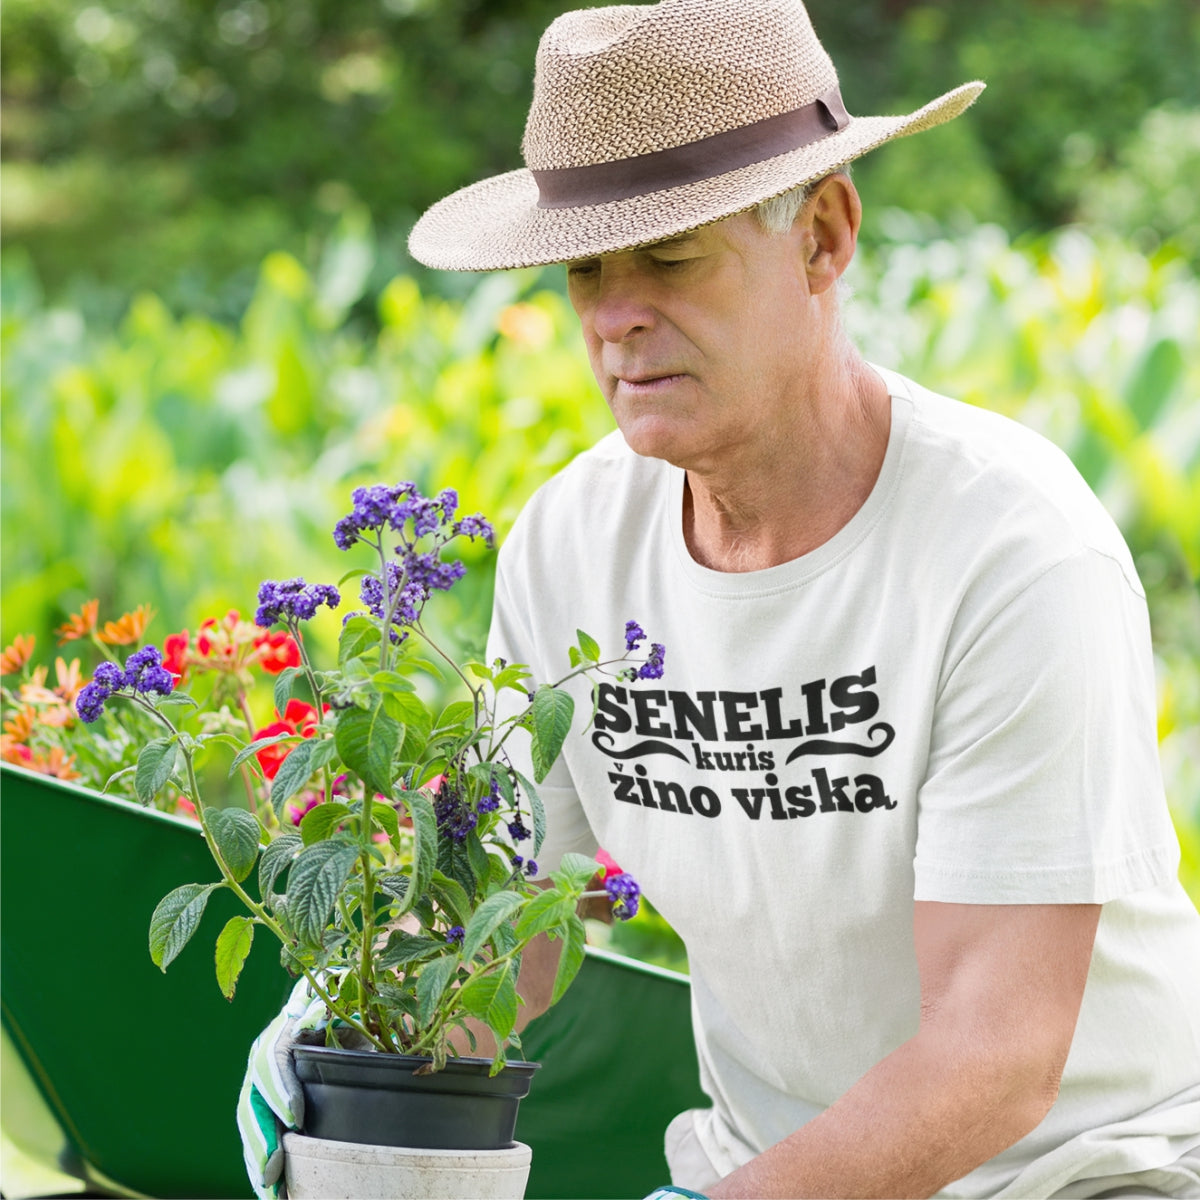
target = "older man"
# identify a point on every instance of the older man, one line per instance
(899, 791)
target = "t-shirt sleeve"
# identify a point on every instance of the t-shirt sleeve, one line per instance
(511, 638)
(1044, 783)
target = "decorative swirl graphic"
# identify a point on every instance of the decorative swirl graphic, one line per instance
(603, 742)
(825, 746)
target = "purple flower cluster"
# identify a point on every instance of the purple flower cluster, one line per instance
(652, 668)
(143, 674)
(292, 600)
(491, 801)
(624, 893)
(524, 864)
(397, 506)
(517, 830)
(455, 817)
(455, 935)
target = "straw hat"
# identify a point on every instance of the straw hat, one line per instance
(650, 120)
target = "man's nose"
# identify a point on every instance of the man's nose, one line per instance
(622, 308)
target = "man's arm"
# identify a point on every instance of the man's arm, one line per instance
(535, 986)
(1001, 987)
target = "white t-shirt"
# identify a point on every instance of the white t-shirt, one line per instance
(952, 699)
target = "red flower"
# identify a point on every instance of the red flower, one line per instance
(277, 651)
(299, 718)
(609, 864)
(175, 652)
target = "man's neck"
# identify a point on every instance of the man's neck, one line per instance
(799, 493)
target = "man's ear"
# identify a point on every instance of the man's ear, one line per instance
(832, 218)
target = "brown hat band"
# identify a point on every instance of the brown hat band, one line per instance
(602, 183)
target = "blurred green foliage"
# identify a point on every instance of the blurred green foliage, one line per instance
(179, 461)
(170, 145)
(211, 330)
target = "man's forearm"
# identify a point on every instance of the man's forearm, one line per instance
(927, 1114)
(535, 985)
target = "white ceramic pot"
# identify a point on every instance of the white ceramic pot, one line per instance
(318, 1169)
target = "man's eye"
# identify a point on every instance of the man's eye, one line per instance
(581, 270)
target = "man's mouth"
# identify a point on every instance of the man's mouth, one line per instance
(644, 384)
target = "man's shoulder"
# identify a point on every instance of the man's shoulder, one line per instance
(1002, 490)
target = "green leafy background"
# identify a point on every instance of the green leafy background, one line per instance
(211, 330)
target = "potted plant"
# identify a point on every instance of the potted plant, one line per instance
(404, 896)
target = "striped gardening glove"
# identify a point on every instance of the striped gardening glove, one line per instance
(271, 1100)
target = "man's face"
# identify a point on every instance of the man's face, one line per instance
(698, 342)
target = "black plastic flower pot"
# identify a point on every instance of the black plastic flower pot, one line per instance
(378, 1099)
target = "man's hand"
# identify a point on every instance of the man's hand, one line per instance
(1001, 987)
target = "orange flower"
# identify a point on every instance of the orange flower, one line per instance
(56, 763)
(70, 679)
(20, 726)
(80, 624)
(129, 629)
(13, 751)
(18, 654)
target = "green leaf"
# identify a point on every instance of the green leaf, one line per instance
(435, 977)
(254, 747)
(319, 822)
(589, 646)
(575, 871)
(175, 919)
(384, 815)
(276, 858)
(451, 897)
(571, 958)
(236, 834)
(154, 766)
(547, 910)
(492, 997)
(283, 687)
(359, 634)
(425, 840)
(233, 946)
(298, 768)
(537, 809)
(552, 713)
(176, 699)
(494, 911)
(454, 715)
(316, 877)
(479, 670)
(403, 948)
(367, 740)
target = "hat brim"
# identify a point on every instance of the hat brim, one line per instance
(496, 224)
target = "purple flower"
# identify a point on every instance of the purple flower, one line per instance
(517, 830)
(109, 675)
(652, 668)
(89, 704)
(145, 673)
(455, 818)
(624, 893)
(455, 935)
(531, 868)
(634, 635)
(491, 801)
(476, 526)
(292, 600)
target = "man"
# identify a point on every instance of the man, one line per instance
(898, 790)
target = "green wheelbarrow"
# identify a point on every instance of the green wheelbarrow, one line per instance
(98, 1037)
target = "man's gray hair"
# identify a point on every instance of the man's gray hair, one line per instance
(777, 214)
